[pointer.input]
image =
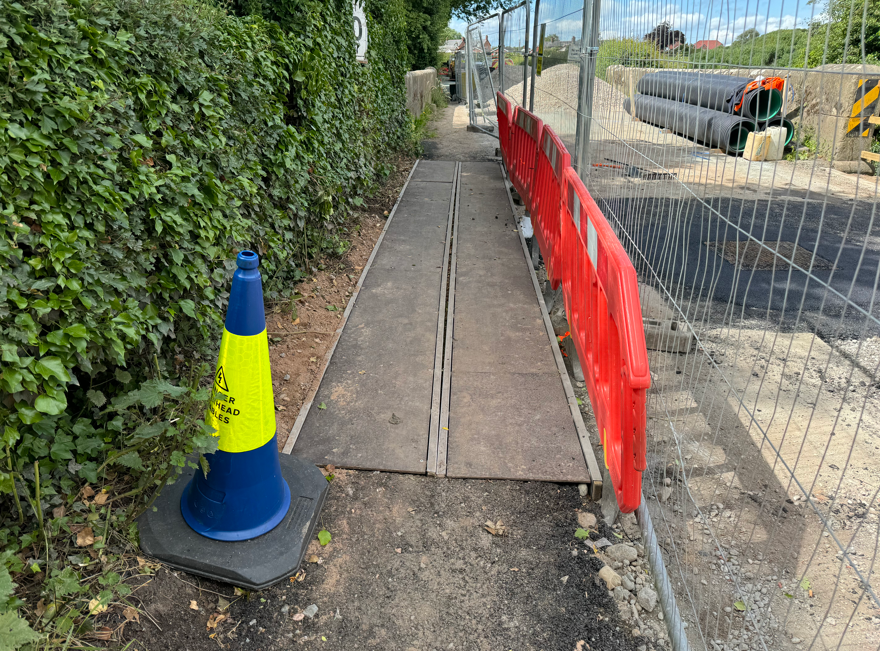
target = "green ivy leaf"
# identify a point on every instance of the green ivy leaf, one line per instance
(10, 435)
(188, 307)
(141, 139)
(739, 605)
(322, 406)
(52, 366)
(28, 415)
(49, 405)
(581, 534)
(324, 537)
(77, 330)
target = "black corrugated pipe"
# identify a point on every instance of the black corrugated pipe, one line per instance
(717, 92)
(779, 121)
(713, 128)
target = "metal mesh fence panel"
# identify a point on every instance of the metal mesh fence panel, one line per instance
(514, 58)
(483, 40)
(557, 36)
(758, 272)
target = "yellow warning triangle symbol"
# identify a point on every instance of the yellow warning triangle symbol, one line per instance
(220, 379)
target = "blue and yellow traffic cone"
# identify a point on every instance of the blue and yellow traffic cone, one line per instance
(249, 519)
(243, 495)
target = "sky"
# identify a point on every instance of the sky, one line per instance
(721, 20)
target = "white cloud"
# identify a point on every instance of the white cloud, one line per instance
(721, 20)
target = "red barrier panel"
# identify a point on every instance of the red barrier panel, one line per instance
(602, 302)
(525, 134)
(546, 200)
(505, 115)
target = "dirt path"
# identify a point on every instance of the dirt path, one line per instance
(410, 566)
(452, 140)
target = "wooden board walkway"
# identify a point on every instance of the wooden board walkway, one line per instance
(445, 363)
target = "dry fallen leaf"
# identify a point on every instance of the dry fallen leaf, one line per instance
(399, 550)
(296, 321)
(88, 491)
(495, 528)
(95, 607)
(312, 559)
(102, 633)
(131, 613)
(238, 592)
(298, 617)
(101, 498)
(194, 604)
(41, 608)
(330, 468)
(59, 511)
(85, 537)
(215, 619)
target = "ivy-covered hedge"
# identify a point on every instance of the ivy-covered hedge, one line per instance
(142, 143)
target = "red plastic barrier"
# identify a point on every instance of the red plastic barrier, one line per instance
(505, 116)
(602, 302)
(546, 200)
(525, 134)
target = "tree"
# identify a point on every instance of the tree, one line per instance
(470, 9)
(853, 32)
(450, 34)
(747, 35)
(663, 36)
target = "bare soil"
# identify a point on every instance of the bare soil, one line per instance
(411, 566)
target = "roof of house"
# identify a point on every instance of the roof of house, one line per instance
(707, 45)
(452, 45)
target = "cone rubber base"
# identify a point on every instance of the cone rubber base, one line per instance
(254, 564)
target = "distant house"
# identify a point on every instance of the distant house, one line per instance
(672, 47)
(707, 45)
(451, 46)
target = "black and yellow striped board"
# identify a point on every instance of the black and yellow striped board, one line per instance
(864, 106)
